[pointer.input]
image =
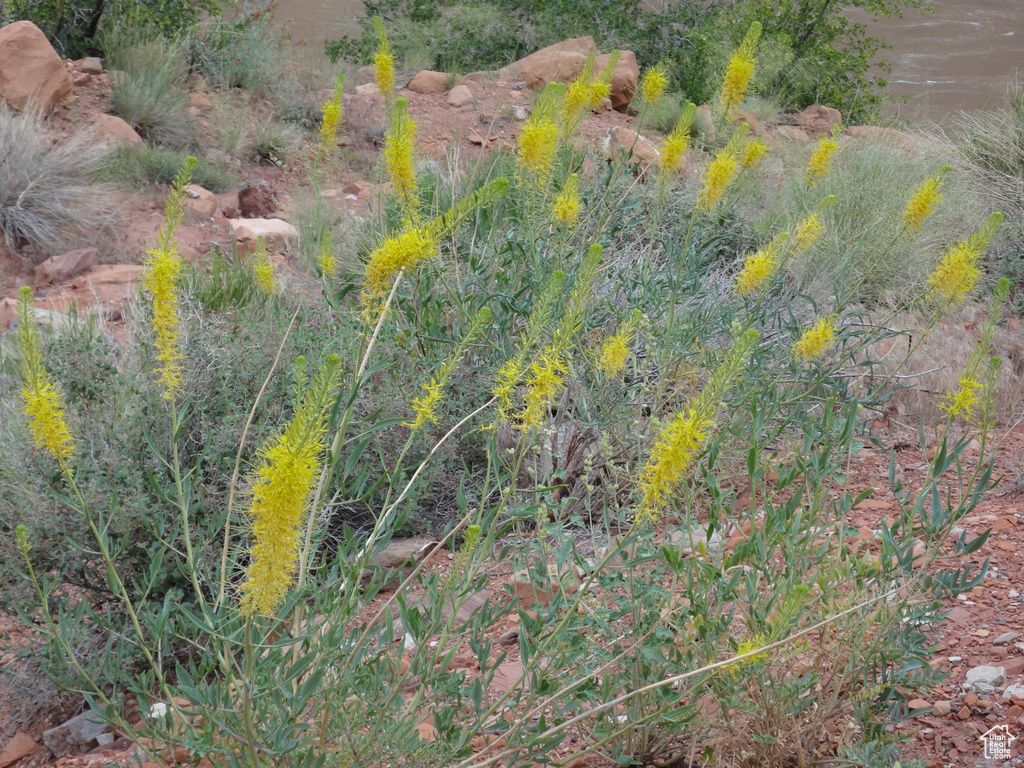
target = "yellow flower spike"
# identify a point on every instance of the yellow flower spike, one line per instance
(924, 200)
(684, 435)
(721, 171)
(752, 153)
(332, 111)
(544, 380)
(816, 339)
(615, 351)
(536, 143)
(282, 486)
(263, 269)
(821, 159)
(963, 402)
(399, 145)
(577, 95)
(653, 84)
(425, 406)
(676, 143)
(807, 232)
(958, 272)
(566, 210)
(740, 70)
(163, 268)
(42, 402)
(395, 254)
(602, 87)
(325, 259)
(760, 267)
(383, 61)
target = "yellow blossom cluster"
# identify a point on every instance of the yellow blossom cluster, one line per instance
(924, 200)
(752, 152)
(331, 110)
(399, 146)
(263, 269)
(601, 88)
(383, 61)
(282, 486)
(566, 210)
(740, 70)
(543, 381)
(653, 84)
(676, 143)
(615, 351)
(821, 159)
(957, 271)
(760, 267)
(815, 339)
(807, 232)
(721, 171)
(40, 398)
(536, 144)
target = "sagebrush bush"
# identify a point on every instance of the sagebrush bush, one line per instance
(588, 381)
(49, 196)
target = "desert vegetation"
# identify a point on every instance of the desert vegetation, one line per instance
(618, 396)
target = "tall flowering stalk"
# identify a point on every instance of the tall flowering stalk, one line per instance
(602, 87)
(683, 437)
(974, 396)
(815, 339)
(331, 110)
(326, 261)
(577, 96)
(39, 396)
(399, 146)
(957, 271)
(538, 139)
(161, 280)
(383, 62)
(925, 198)
(615, 351)
(821, 159)
(281, 490)
(760, 267)
(721, 171)
(263, 268)
(425, 406)
(653, 84)
(752, 153)
(676, 143)
(566, 210)
(740, 71)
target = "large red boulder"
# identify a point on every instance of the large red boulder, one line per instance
(31, 72)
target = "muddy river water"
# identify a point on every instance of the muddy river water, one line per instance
(958, 57)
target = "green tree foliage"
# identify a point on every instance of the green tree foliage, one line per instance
(76, 27)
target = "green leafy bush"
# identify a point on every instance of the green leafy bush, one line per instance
(148, 91)
(158, 165)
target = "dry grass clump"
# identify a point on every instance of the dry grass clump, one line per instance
(48, 196)
(937, 357)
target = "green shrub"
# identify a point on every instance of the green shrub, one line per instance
(273, 141)
(159, 165)
(235, 54)
(48, 194)
(147, 90)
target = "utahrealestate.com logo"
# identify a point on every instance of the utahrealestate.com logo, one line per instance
(998, 741)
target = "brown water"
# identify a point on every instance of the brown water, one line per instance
(956, 58)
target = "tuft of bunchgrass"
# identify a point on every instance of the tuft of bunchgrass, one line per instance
(158, 165)
(147, 91)
(48, 194)
(272, 141)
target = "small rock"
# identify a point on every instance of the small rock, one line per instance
(427, 81)
(200, 100)
(1005, 638)
(621, 140)
(76, 736)
(964, 713)
(21, 745)
(277, 230)
(57, 269)
(256, 200)
(985, 679)
(509, 638)
(91, 65)
(792, 133)
(918, 704)
(459, 96)
(942, 708)
(1015, 691)
(370, 89)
